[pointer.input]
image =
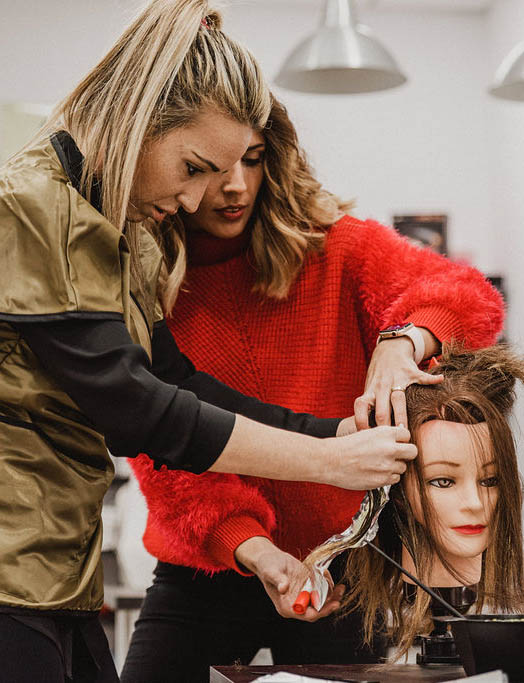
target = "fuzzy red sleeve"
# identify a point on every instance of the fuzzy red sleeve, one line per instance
(398, 282)
(199, 520)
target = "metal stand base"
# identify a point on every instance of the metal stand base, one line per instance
(438, 649)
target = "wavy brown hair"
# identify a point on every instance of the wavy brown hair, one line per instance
(293, 209)
(290, 218)
(478, 387)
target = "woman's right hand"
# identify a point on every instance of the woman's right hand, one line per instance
(367, 459)
(364, 460)
(283, 577)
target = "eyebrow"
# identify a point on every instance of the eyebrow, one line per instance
(215, 168)
(454, 464)
(441, 462)
(211, 165)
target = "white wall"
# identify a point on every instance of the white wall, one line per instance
(420, 148)
(46, 46)
(505, 29)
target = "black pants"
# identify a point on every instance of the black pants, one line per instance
(190, 621)
(37, 649)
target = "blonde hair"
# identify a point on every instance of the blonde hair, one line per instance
(478, 387)
(169, 64)
(291, 215)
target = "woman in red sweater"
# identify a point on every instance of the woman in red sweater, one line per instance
(283, 299)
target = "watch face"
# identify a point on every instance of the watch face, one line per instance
(395, 331)
(394, 328)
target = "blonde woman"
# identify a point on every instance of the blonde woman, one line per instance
(284, 298)
(172, 105)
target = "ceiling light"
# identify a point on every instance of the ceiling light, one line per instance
(341, 57)
(509, 79)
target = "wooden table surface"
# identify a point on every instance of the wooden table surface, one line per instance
(372, 673)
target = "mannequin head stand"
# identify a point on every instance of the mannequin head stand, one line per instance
(439, 646)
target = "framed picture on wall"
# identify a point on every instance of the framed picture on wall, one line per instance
(425, 230)
(498, 282)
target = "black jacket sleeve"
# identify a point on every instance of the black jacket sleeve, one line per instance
(170, 365)
(179, 417)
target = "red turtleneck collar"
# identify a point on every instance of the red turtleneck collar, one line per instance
(204, 249)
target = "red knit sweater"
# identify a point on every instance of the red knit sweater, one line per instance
(308, 352)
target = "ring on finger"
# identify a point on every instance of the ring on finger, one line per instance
(399, 388)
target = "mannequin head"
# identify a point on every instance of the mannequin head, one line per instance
(459, 482)
(455, 517)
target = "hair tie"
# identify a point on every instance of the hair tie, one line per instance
(204, 22)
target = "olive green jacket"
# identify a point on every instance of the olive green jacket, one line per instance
(60, 258)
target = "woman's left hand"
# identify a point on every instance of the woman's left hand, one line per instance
(391, 370)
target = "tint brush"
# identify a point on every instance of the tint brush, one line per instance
(428, 590)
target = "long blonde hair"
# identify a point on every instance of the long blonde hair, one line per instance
(291, 215)
(172, 61)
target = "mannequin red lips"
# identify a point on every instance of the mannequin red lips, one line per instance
(470, 529)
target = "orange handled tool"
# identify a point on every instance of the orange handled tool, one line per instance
(303, 599)
(302, 602)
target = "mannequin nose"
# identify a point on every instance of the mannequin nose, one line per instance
(472, 498)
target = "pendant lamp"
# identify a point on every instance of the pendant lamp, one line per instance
(341, 57)
(509, 79)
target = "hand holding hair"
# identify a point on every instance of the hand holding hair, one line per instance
(392, 368)
(378, 456)
(363, 460)
(282, 576)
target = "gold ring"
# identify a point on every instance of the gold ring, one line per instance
(398, 389)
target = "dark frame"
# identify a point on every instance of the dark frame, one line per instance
(425, 230)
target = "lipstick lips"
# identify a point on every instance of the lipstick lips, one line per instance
(470, 529)
(233, 212)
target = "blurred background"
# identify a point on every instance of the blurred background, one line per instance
(439, 144)
(439, 149)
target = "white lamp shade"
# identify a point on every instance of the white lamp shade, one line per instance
(338, 60)
(509, 79)
(341, 57)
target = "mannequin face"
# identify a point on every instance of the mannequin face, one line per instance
(461, 485)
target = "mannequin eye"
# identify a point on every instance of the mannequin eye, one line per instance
(441, 482)
(489, 482)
